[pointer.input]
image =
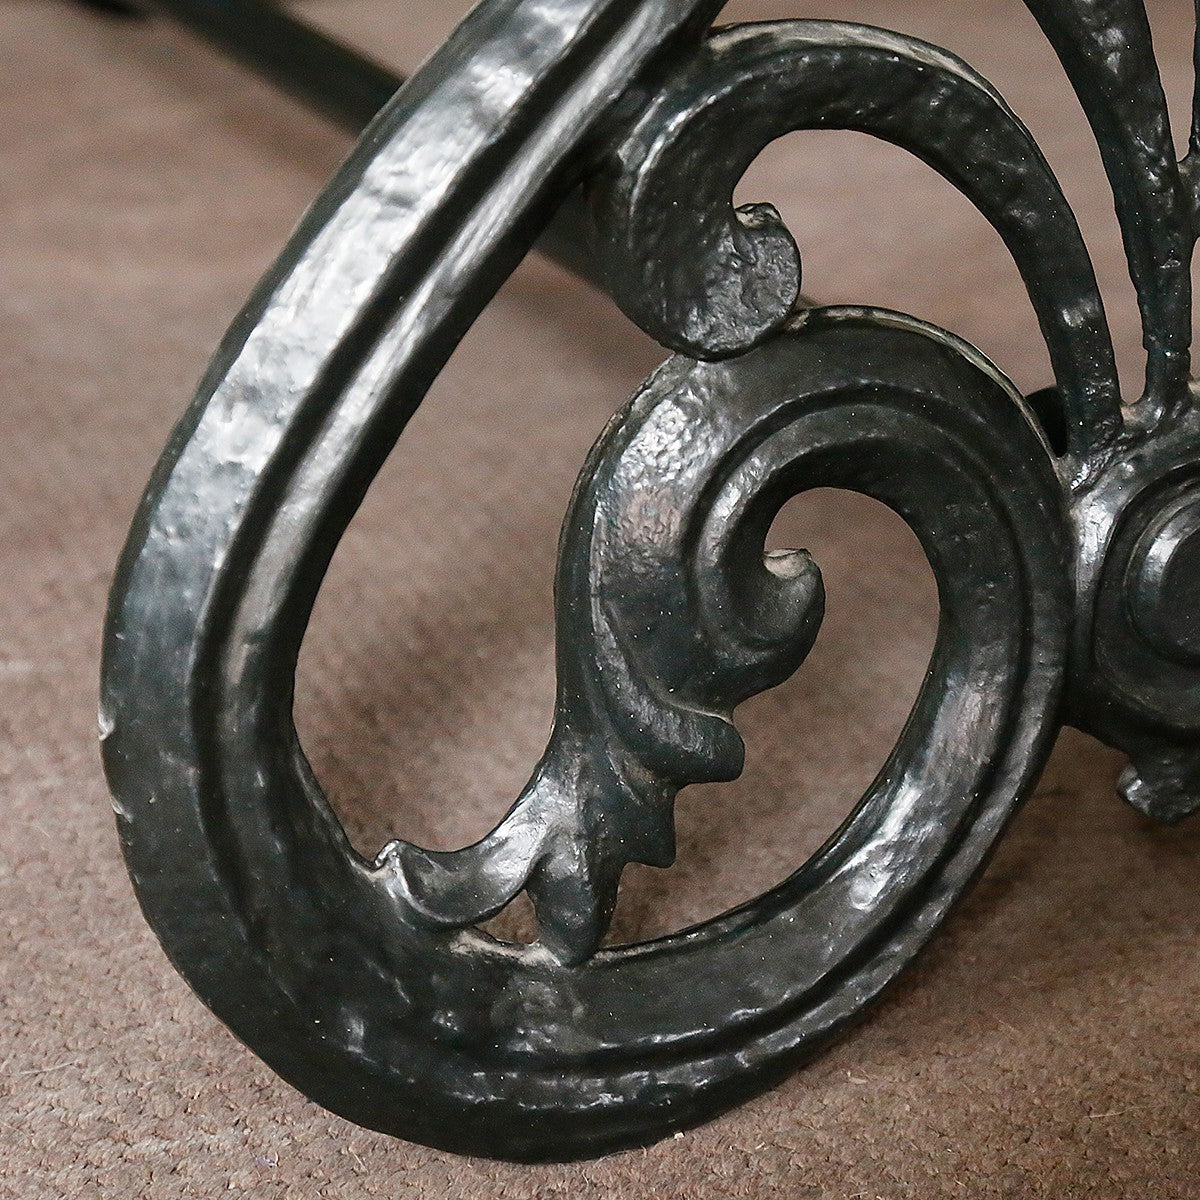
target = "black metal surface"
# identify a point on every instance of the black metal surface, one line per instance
(1066, 560)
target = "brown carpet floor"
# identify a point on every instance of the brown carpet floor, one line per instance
(1046, 1046)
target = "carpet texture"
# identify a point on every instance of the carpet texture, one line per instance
(1045, 1046)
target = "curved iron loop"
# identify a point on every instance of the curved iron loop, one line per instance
(711, 281)
(319, 960)
(365, 983)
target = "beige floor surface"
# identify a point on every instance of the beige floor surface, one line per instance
(1048, 1045)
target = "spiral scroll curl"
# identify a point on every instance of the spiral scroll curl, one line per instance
(719, 282)
(364, 982)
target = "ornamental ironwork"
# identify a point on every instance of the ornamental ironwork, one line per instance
(1063, 529)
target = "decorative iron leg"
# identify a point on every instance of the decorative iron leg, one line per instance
(1065, 549)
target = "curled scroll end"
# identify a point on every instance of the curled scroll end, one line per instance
(710, 292)
(736, 292)
(783, 608)
(1163, 783)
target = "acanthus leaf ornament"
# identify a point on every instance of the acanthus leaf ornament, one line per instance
(662, 631)
(1063, 541)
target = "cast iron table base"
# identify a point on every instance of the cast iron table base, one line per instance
(1064, 531)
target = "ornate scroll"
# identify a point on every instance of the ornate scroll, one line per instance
(1064, 545)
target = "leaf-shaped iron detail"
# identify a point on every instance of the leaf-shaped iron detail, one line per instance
(666, 621)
